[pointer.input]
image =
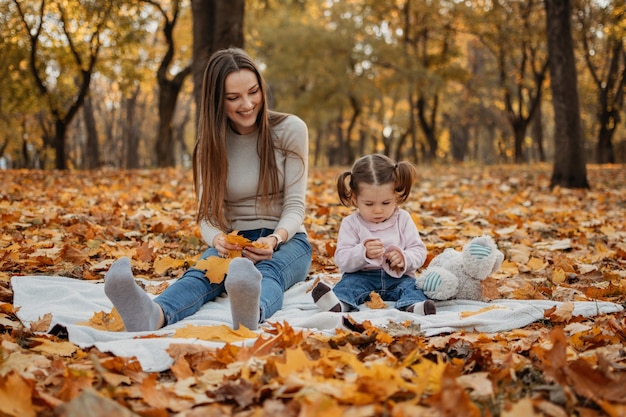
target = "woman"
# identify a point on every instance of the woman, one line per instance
(250, 175)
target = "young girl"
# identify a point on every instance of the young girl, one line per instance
(378, 247)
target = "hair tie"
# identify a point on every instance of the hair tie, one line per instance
(395, 166)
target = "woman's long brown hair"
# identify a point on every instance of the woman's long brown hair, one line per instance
(210, 165)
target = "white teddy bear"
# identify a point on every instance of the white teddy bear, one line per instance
(459, 275)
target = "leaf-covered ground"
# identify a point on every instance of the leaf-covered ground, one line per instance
(560, 244)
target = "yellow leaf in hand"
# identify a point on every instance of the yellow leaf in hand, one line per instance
(234, 239)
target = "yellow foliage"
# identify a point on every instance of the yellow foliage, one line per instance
(111, 322)
(220, 333)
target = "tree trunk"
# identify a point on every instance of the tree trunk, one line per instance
(569, 160)
(428, 125)
(130, 130)
(92, 151)
(168, 96)
(604, 149)
(217, 24)
(537, 132)
(59, 144)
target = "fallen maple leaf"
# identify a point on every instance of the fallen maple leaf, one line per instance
(61, 348)
(221, 333)
(561, 313)
(111, 322)
(16, 396)
(163, 264)
(41, 325)
(375, 302)
(216, 268)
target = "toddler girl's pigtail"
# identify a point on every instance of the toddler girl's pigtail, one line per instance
(405, 177)
(344, 191)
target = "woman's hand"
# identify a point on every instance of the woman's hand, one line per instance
(223, 247)
(256, 254)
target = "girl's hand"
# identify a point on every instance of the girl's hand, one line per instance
(395, 259)
(257, 254)
(374, 249)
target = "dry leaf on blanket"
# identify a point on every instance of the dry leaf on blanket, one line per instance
(41, 325)
(375, 301)
(106, 321)
(221, 333)
(466, 314)
(561, 313)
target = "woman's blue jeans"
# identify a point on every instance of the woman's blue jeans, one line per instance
(288, 266)
(355, 288)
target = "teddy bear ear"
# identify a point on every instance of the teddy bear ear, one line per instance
(498, 261)
(480, 257)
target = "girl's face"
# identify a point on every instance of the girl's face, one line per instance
(243, 100)
(376, 203)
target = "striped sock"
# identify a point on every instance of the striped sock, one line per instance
(425, 308)
(325, 298)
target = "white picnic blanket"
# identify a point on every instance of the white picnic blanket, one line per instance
(72, 301)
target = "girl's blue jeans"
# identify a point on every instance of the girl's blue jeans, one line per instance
(354, 288)
(288, 266)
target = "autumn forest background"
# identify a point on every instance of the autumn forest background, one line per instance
(90, 84)
(512, 110)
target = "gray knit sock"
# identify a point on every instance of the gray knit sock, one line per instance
(136, 307)
(243, 285)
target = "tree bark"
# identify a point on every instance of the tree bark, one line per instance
(92, 151)
(217, 24)
(131, 132)
(569, 160)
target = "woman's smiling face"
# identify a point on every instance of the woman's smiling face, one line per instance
(243, 100)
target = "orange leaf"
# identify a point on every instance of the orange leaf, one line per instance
(41, 325)
(54, 348)
(235, 239)
(558, 276)
(375, 302)
(16, 396)
(73, 255)
(220, 333)
(536, 264)
(561, 313)
(163, 264)
(106, 321)
(216, 268)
